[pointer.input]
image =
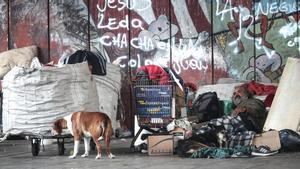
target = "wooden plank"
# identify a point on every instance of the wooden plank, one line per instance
(68, 27)
(284, 113)
(28, 26)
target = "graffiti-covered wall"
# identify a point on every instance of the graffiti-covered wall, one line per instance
(202, 40)
(256, 37)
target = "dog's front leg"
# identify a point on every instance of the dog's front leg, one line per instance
(86, 146)
(76, 149)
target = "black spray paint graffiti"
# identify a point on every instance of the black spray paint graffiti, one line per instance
(70, 28)
(73, 17)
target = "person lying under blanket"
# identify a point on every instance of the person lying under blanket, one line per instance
(238, 129)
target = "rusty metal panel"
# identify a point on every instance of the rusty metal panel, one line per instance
(150, 25)
(69, 27)
(28, 25)
(232, 49)
(191, 50)
(96, 34)
(111, 31)
(3, 25)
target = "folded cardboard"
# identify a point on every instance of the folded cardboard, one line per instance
(160, 145)
(269, 138)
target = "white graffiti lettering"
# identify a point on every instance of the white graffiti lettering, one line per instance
(113, 24)
(107, 3)
(145, 43)
(264, 8)
(103, 42)
(225, 10)
(289, 29)
(133, 63)
(121, 4)
(120, 40)
(259, 9)
(186, 45)
(275, 7)
(295, 42)
(178, 66)
(192, 64)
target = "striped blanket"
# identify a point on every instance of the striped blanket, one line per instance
(235, 130)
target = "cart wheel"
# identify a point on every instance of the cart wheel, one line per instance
(117, 133)
(92, 145)
(35, 146)
(61, 146)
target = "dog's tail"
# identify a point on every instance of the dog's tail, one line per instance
(107, 130)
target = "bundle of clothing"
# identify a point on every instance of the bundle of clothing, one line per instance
(262, 89)
(154, 74)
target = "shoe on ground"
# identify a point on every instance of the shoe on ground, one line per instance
(263, 151)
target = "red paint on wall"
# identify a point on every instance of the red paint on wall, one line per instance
(29, 29)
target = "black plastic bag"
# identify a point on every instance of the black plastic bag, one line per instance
(206, 106)
(96, 60)
(290, 140)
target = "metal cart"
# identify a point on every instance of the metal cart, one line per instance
(154, 107)
(36, 142)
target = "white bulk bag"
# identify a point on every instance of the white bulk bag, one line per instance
(34, 98)
(108, 88)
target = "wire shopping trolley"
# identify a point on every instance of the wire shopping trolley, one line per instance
(154, 107)
(153, 104)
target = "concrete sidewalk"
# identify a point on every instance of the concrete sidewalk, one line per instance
(16, 154)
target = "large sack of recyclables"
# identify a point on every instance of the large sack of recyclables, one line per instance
(21, 57)
(34, 98)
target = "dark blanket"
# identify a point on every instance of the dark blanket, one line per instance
(256, 113)
(235, 130)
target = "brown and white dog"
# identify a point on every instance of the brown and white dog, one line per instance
(96, 125)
